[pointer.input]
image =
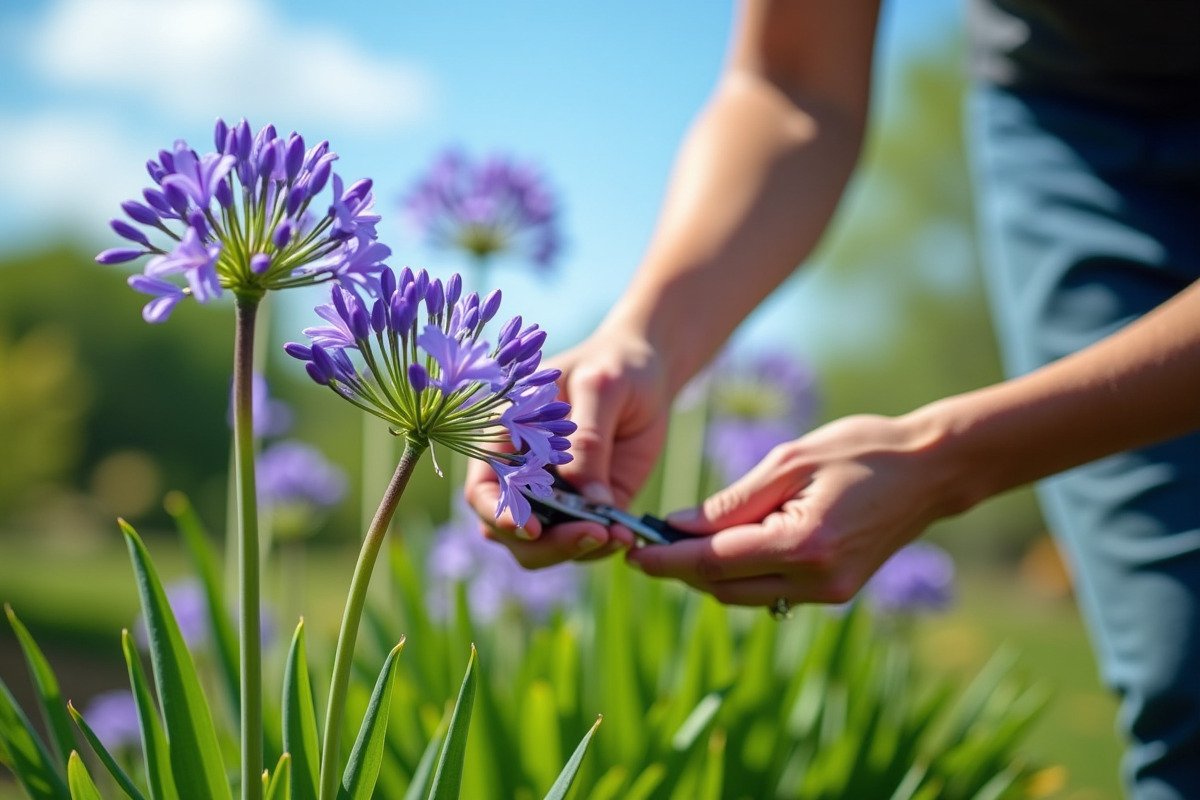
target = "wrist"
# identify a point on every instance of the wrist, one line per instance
(962, 472)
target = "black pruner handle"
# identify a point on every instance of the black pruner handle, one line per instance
(566, 505)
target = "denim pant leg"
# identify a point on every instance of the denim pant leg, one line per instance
(1090, 219)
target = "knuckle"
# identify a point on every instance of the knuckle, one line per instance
(723, 503)
(709, 568)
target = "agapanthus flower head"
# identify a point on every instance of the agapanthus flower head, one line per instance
(919, 577)
(247, 218)
(113, 716)
(757, 402)
(297, 486)
(493, 578)
(486, 208)
(412, 353)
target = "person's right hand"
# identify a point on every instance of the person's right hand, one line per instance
(617, 388)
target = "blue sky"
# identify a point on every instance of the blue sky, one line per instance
(598, 95)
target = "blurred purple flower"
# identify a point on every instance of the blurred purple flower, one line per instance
(190, 607)
(295, 473)
(272, 416)
(113, 717)
(188, 604)
(494, 580)
(297, 485)
(497, 206)
(437, 381)
(918, 577)
(200, 204)
(757, 403)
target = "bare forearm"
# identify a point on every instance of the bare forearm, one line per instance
(758, 177)
(753, 188)
(1136, 387)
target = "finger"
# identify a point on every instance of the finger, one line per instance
(561, 543)
(744, 551)
(594, 408)
(767, 590)
(762, 490)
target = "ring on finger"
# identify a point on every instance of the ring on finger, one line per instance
(781, 609)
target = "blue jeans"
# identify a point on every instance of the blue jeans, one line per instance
(1089, 219)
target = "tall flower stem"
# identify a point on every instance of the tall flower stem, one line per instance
(355, 601)
(249, 573)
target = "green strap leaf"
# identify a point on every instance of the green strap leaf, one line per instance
(418, 787)
(565, 778)
(448, 778)
(300, 721)
(118, 774)
(358, 781)
(54, 710)
(195, 754)
(204, 559)
(81, 783)
(154, 739)
(31, 762)
(540, 741)
(277, 788)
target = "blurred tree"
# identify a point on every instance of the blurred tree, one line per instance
(43, 399)
(904, 256)
(161, 390)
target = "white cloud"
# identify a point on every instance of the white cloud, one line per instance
(198, 59)
(66, 169)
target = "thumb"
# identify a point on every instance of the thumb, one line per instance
(747, 500)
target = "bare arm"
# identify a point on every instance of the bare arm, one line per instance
(816, 518)
(757, 178)
(753, 186)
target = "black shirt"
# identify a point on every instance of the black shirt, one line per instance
(1141, 55)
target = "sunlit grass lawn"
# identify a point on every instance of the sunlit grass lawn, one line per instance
(76, 597)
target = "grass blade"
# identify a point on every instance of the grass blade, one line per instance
(204, 559)
(418, 787)
(565, 778)
(54, 710)
(540, 741)
(154, 740)
(118, 774)
(196, 761)
(448, 778)
(358, 781)
(300, 721)
(81, 783)
(278, 787)
(30, 760)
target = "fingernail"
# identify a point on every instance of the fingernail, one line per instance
(523, 533)
(588, 543)
(684, 516)
(598, 493)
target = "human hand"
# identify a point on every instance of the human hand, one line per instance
(620, 401)
(815, 519)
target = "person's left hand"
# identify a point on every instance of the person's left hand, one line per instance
(815, 519)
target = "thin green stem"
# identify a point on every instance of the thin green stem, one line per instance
(344, 656)
(249, 576)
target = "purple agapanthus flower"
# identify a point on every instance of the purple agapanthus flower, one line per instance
(113, 716)
(497, 206)
(246, 218)
(297, 486)
(918, 577)
(493, 579)
(757, 402)
(415, 357)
